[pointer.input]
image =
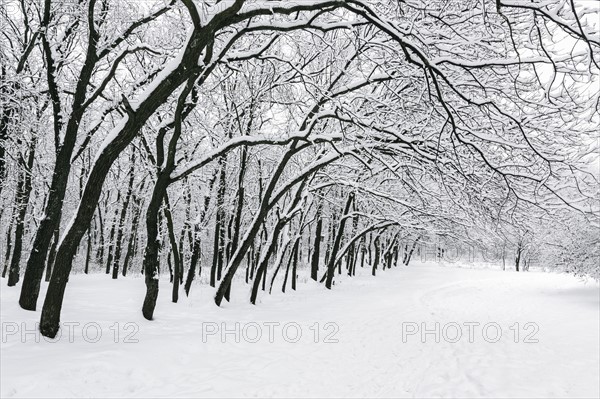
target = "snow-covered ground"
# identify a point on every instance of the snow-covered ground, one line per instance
(373, 345)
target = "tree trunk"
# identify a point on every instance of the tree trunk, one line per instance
(88, 253)
(176, 256)
(314, 265)
(278, 264)
(261, 271)
(389, 255)
(249, 256)
(118, 244)
(351, 257)
(24, 191)
(100, 251)
(36, 263)
(264, 207)
(151, 258)
(330, 237)
(137, 211)
(363, 251)
(412, 249)
(376, 259)
(293, 260)
(370, 249)
(9, 242)
(219, 238)
(238, 212)
(52, 254)
(296, 255)
(337, 241)
(196, 246)
(518, 257)
(111, 236)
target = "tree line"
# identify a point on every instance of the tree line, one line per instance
(258, 138)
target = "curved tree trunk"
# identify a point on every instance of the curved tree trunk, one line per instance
(410, 253)
(337, 241)
(176, 255)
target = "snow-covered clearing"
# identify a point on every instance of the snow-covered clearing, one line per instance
(176, 357)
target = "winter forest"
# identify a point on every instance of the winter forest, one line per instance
(168, 164)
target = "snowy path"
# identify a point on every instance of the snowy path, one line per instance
(370, 358)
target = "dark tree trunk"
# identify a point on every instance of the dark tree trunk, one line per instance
(227, 244)
(288, 266)
(52, 254)
(9, 242)
(261, 271)
(376, 260)
(363, 251)
(100, 234)
(238, 212)
(410, 253)
(295, 256)
(111, 236)
(337, 241)
(351, 257)
(314, 264)
(49, 224)
(216, 250)
(370, 249)
(151, 258)
(330, 237)
(518, 257)
(170, 263)
(137, 211)
(118, 244)
(196, 246)
(389, 252)
(219, 237)
(256, 257)
(262, 212)
(249, 256)
(88, 254)
(352, 241)
(23, 193)
(278, 267)
(264, 281)
(176, 255)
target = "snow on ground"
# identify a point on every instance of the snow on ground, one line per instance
(176, 356)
